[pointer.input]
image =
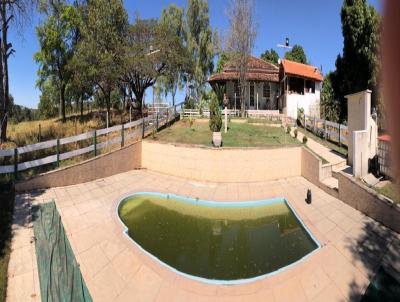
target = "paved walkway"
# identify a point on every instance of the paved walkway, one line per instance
(332, 157)
(353, 245)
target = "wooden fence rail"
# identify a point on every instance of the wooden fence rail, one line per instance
(328, 130)
(147, 125)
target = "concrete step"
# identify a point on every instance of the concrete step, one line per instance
(331, 183)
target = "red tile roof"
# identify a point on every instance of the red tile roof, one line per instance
(257, 70)
(385, 138)
(302, 70)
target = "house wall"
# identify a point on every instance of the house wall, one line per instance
(310, 102)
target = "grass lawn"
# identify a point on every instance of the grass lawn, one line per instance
(390, 191)
(6, 210)
(239, 135)
(341, 150)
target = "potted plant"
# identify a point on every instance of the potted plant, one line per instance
(215, 121)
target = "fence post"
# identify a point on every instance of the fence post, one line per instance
(58, 152)
(305, 122)
(326, 131)
(95, 143)
(143, 127)
(167, 117)
(340, 143)
(157, 121)
(174, 111)
(15, 164)
(122, 136)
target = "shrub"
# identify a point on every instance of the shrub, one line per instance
(295, 133)
(288, 129)
(300, 116)
(191, 121)
(305, 139)
(215, 115)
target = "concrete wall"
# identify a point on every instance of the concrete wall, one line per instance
(368, 201)
(222, 165)
(119, 161)
(310, 166)
(310, 102)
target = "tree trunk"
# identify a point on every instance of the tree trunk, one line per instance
(62, 103)
(4, 71)
(81, 103)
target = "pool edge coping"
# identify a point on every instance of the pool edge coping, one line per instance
(125, 230)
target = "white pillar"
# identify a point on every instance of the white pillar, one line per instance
(226, 119)
(257, 99)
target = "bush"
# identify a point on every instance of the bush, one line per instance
(215, 115)
(305, 139)
(295, 133)
(288, 129)
(300, 116)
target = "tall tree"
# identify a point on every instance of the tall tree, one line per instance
(330, 107)
(101, 48)
(173, 18)
(223, 58)
(241, 37)
(17, 12)
(57, 40)
(297, 54)
(152, 50)
(201, 43)
(270, 56)
(358, 67)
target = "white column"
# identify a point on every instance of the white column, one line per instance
(226, 119)
(257, 98)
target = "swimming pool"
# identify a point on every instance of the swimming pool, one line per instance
(217, 242)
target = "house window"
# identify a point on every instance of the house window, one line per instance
(252, 94)
(310, 86)
(267, 90)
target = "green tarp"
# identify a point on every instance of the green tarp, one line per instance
(59, 274)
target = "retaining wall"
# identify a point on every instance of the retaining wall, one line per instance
(368, 201)
(118, 161)
(222, 165)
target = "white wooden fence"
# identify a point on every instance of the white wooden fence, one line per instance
(124, 132)
(328, 130)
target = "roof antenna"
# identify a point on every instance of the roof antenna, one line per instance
(286, 45)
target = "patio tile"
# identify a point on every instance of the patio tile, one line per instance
(290, 290)
(94, 260)
(314, 281)
(325, 225)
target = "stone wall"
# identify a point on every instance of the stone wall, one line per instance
(310, 166)
(119, 161)
(222, 165)
(368, 201)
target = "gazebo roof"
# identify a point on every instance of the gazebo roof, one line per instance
(257, 70)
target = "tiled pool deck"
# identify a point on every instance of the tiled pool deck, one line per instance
(353, 245)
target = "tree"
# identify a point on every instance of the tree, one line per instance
(201, 44)
(223, 58)
(48, 105)
(57, 40)
(358, 67)
(152, 50)
(330, 107)
(241, 37)
(215, 122)
(17, 12)
(297, 54)
(270, 56)
(173, 18)
(101, 47)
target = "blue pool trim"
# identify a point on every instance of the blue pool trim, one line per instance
(218, 204)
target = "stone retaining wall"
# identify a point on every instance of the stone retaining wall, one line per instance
(115, 162)
(222, 165)
(368, 201)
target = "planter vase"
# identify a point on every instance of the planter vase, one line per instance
(217, 139)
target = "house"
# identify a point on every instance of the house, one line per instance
(263, 85)
(281, 89)
(300, 87)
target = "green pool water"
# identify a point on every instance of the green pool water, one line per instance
(216, 241)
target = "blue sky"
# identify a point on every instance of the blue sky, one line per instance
(314, 24)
